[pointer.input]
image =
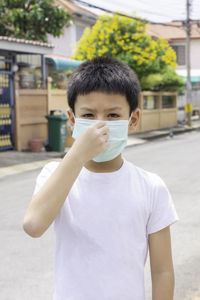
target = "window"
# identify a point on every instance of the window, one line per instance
(168, 101)
(79, 31)
(180, 53)
(5, 63)
(196, 86)
(30, 70)
(150, 102)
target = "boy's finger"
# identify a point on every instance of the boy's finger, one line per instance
(100, 124)
(104, 130)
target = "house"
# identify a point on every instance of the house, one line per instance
(80, 19)
(26, 59)
(29, 60)
(59, 62)
(176, 36)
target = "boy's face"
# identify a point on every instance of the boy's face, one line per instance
(103, 106)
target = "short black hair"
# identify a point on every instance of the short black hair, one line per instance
(104, 74)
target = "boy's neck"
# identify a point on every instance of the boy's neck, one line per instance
(107, 166)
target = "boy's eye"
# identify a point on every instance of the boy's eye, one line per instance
(87, 115)
(91, 116)
(114, 115)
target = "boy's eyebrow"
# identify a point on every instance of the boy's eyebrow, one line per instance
(109, 109)
(86, 108)
(114, 108)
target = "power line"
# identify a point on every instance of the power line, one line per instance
(107, 10)
(123, 15)
(140, 8)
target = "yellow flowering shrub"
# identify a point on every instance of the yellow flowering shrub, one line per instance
(126, 39)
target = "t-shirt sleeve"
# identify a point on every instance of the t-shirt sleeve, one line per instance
(163, 212)
(44, 174)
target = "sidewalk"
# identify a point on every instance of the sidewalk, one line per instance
(13, 162)
(180, 128)
(196, 296)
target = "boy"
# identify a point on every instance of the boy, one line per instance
(105, 210)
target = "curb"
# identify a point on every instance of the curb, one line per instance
(20, 168)
(158, 135)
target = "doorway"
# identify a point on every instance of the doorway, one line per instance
(6, 103)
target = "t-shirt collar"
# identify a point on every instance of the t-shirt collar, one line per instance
(106, 175)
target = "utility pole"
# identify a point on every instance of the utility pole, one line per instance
(188, 106)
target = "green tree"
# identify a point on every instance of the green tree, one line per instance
(126, 39)
(166, 80)
(31, 19)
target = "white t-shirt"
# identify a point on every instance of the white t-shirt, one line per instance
(102, 232)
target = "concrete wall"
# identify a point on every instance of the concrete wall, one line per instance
(195, 53)
(195, 71)
(65, 44)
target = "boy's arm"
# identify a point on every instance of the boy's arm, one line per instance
(162, 271)
(47, 202)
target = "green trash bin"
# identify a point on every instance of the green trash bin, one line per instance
(57, 130)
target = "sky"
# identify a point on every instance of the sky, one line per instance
(152, 10)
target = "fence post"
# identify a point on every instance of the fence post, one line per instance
(175, 102)
(159, 108)
(49, 81)
(17, 136)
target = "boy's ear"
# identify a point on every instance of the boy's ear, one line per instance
(135, 116)
(70, 115)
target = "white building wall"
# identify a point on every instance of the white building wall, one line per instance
(65, 44)
(194, 53)
(62, 44)
(195, 71)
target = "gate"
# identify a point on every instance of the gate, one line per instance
(6, 104)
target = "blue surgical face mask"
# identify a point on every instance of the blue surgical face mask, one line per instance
(118, 136)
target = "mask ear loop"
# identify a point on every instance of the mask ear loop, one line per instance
(130, 117)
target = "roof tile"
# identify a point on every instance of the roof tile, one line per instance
(23, 41)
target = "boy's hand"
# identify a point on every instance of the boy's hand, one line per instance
(92, 142)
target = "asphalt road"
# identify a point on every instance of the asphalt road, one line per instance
(26, 270)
